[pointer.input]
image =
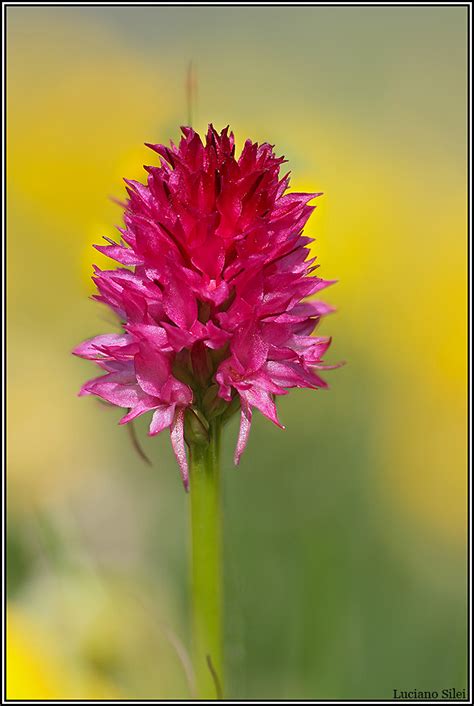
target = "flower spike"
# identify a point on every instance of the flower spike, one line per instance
(212, 291)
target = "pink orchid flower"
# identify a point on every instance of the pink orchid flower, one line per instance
(213, 293)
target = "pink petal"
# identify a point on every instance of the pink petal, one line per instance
(140, 408)
(175, 391)
(263, 401)
(117, 388)
(292, 374)
(162, 418)
(178, 444)
(215, 338)
(126, 256)
(151, 334)
(179, 301)
(152, 369)
(245, 422)
(90, 349)
(249, 347)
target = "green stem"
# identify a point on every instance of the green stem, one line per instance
(206, 544)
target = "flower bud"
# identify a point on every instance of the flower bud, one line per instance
(196, 427)
(212, 404)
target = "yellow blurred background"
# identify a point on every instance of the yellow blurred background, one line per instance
(345, 535)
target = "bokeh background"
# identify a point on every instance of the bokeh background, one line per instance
(345, 535)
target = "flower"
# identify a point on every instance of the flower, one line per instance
(212, 295)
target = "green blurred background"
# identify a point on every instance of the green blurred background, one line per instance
(344, 535)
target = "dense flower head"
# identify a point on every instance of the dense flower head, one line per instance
(213, 293)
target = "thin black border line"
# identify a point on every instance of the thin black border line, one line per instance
(468, 6)
(4, 360)
(469, 346)
(242, 4)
